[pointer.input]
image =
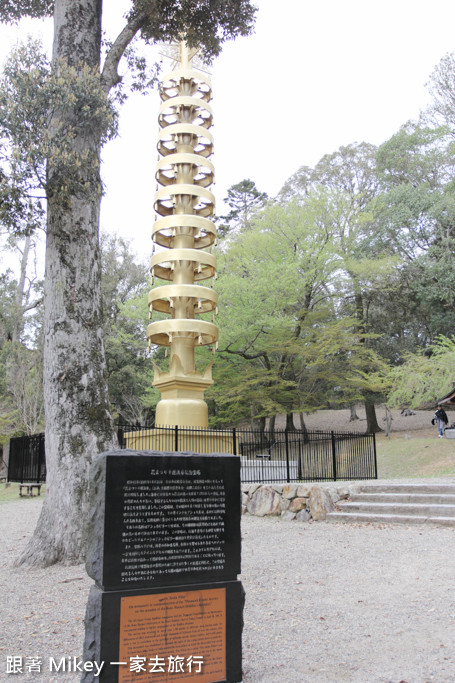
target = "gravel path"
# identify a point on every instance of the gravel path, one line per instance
(325, 603)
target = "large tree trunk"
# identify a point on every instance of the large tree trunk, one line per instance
(258, 425)
(303, 427)
(78, 420)
(290, 426)
(372, 422)
(388, 421)
(353, 413)
(272, 421)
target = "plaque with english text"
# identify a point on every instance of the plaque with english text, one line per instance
(186, 628)
(178, 634)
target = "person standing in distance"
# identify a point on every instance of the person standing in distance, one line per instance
(440, 418)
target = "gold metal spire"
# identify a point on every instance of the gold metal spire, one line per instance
(184, 227)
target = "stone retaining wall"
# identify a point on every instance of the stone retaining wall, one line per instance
(302, 502)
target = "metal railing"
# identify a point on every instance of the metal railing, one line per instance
(27, 459)
(284, 456)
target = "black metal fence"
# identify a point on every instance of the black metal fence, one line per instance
(27, 460)
(284, 456)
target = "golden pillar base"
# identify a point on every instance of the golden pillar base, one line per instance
(164, 439)
(182, 400)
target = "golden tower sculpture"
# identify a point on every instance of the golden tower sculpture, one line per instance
(184, 228)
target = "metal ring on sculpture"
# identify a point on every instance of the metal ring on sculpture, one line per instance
(205, 230)
(203, 201)
(172, 115)
(162, 263)
(172, 106)
(168, 164)
(161, 332)
(185, 144)
(200, 145)
(171, 81)
(170, 88)
(162, 298)
(169, 135)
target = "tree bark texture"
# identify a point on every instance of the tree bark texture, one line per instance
(290, 426)
(353, 413)
(303, 427)
(372, 422)
(77, 414)
(272, 421)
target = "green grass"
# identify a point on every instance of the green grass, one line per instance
(411, 455)
(11, 492)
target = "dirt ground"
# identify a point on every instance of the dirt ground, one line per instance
(338, 420)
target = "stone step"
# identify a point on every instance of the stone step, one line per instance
(448, 489)
(405, 503)
(400, 502)
(397, 508)
(428, 498)
(389, 519)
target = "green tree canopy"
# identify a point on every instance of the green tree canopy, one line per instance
(424, 377)
(279, 285)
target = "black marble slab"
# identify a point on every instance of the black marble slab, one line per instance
(159, 519)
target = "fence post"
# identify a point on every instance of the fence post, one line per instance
(234, 441)
(176, 440)
(334, 457)
(299, 464)
(375, 457)
(288, 473)
(23, 460)
(5, 458)
(42, 456)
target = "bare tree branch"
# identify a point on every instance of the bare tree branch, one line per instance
(33, 305)
(110, 76)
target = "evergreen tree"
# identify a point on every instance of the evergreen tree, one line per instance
(244, 200)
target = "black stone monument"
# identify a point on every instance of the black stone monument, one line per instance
(164, 552)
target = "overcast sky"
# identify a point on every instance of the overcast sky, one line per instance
(317, 74)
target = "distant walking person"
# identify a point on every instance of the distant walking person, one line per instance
(440, 418)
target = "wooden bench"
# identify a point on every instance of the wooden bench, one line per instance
(29, 489)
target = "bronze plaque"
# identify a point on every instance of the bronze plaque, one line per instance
(173, 637)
